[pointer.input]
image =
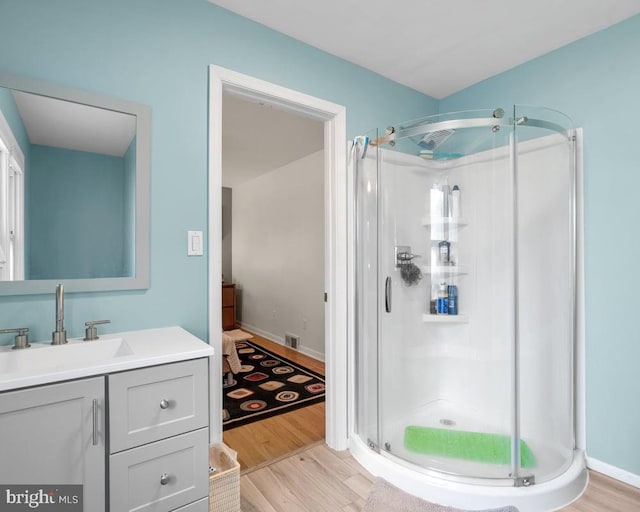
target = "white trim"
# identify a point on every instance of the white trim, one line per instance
(281, 341)
(261, 332)
(7, 135)
(319, 356)
(334, 118)
(614, 472)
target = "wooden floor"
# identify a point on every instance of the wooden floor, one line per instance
(606, 494)
(272, 438)
(287, 467)
(319, 479)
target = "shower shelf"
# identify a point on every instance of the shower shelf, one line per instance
(439, 222)
(445, 319)
(445, 270)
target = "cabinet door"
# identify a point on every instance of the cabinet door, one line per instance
(49, 437)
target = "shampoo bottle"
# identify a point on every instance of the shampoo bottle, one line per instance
(452, 299)
(435, 201)
(442, 302)
(444, 253)
(446, 199)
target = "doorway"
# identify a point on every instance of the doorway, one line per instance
(273, 279)
(333, 118)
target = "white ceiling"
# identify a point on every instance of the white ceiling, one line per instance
(436, 47)
(259, 138)
(63, 124)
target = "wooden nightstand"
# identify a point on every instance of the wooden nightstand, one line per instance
(228, 306)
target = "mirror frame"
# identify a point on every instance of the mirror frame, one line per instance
(140, 280)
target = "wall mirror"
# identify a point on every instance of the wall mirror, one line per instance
(74, 189)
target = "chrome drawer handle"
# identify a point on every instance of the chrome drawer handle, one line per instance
(164, 404)
(95, 422)
(164, 479)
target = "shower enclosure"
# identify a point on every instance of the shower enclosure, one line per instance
(465, 312)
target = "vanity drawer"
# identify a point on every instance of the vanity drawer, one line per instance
(161, 476)
(198, 506)
(154, 403)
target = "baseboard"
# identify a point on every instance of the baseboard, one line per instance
(265, 334)
(614, 472)
(311, 353)
(277, 339)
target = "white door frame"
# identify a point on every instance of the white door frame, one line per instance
(335, 266)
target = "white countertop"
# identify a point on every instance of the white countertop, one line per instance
(43, 363)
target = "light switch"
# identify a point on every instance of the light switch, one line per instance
(194, 243)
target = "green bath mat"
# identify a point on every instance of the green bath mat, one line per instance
(476, 446)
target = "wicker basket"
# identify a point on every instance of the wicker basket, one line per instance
(224, 482)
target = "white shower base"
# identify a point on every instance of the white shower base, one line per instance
(550, 460)
(472, 493)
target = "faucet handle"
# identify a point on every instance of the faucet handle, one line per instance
(91, 332)
(22, 338)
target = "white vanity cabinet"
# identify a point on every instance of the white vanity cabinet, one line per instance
(54, 434)
(126, 416)
(159, 438)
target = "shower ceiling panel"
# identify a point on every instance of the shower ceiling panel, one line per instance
(437, 48)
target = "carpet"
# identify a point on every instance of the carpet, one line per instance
(385, 497)
(238, 335)
(267, 385)
(460, 444)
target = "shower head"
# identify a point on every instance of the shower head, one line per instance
(434, 139)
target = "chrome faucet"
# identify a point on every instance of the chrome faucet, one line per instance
(59, 336)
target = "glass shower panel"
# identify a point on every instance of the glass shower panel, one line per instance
(446, 379)
(545, 227)
(365, 167)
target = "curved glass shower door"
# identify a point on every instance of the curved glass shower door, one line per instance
(446, 345)
(365, 164)
(465, 295)
(546, 286)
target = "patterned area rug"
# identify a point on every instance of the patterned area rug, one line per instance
(267, 385)
(385, 497)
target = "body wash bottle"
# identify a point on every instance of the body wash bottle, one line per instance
(455, 202)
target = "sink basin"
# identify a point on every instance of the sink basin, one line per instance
(43, 363)
(42, 356)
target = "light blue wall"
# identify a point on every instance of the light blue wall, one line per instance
(596, 81)
(157, 52)
(64, 244)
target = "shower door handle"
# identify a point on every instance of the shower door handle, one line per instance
(387, 295)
